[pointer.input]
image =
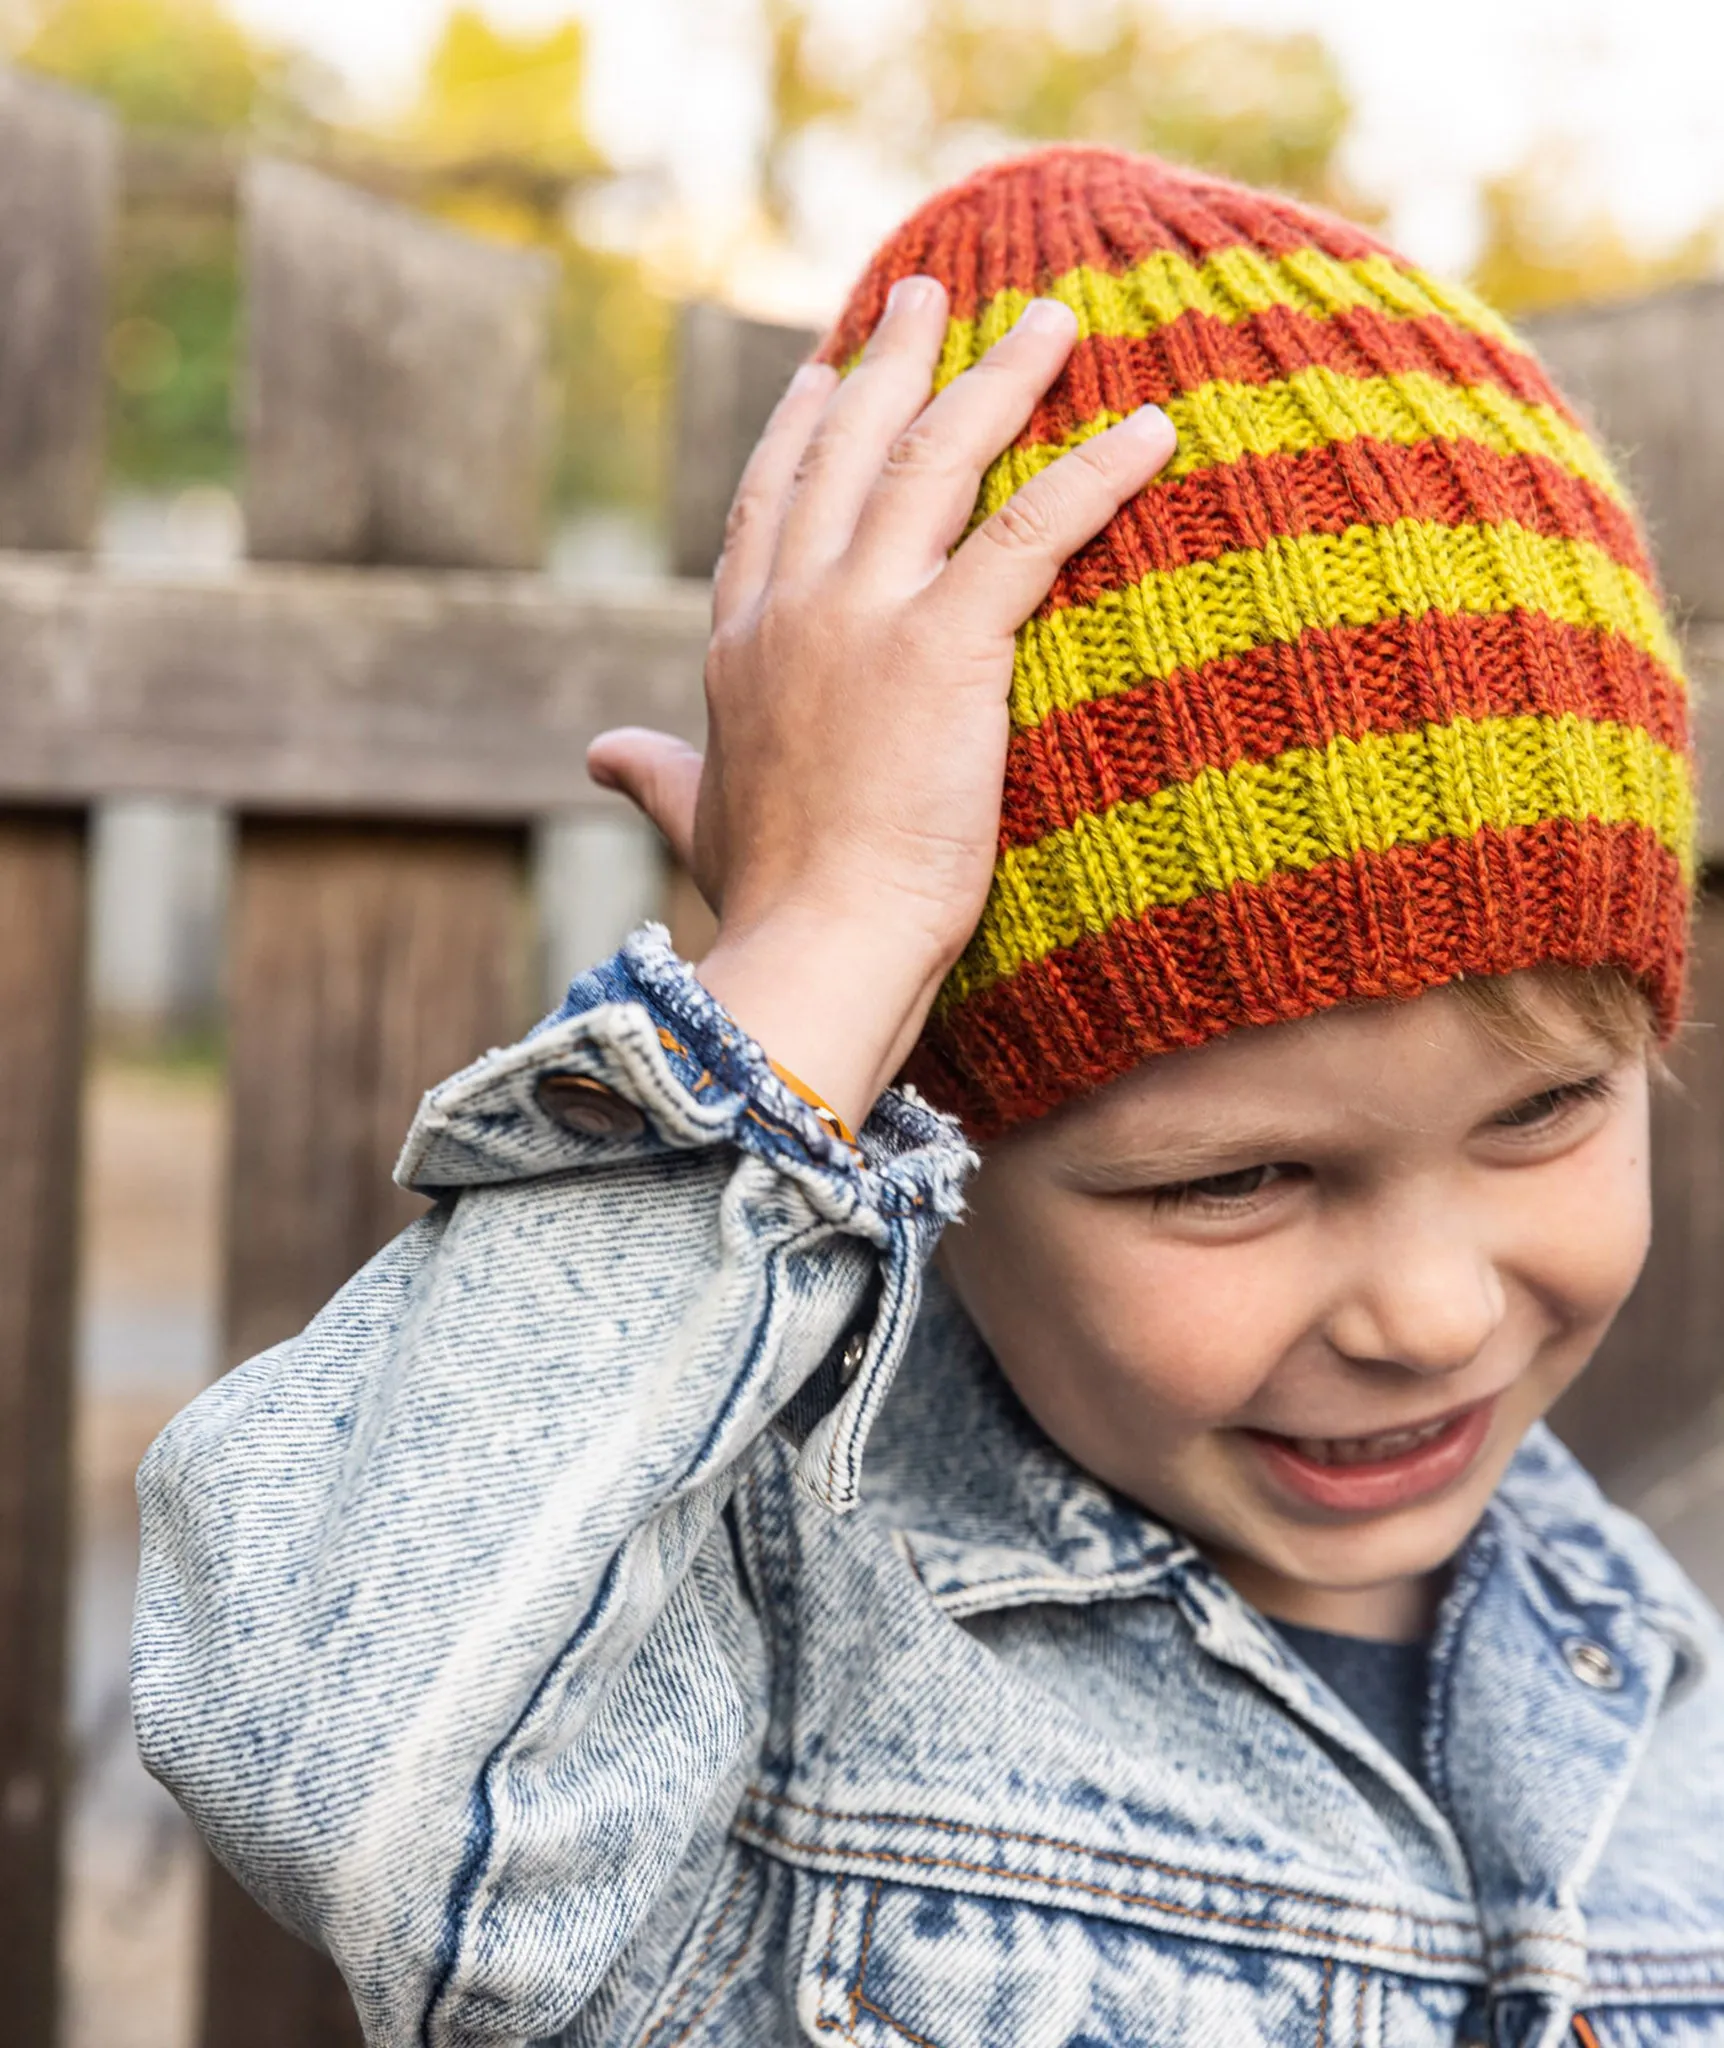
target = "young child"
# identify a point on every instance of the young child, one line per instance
(1213, 1649)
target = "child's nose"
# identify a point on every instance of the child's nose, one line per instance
(1427, 1306)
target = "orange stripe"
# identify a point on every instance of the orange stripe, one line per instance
(1372, 927)
(1258, 498)
(1117, 372)
(1083, 214)
(1387, 677)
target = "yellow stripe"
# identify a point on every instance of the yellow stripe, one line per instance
(1243, 824)
(1182, 618)
(1233, 285)
(1313, 408)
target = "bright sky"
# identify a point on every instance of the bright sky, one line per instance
(1446, 93)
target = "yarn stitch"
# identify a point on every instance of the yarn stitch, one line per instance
(1371, 688)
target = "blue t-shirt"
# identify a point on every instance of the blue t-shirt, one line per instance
(1383, 1684)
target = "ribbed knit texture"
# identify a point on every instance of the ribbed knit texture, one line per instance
(1371, 688)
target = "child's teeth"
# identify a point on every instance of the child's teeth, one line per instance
(1367, 1450)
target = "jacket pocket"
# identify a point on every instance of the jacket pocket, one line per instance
(890, 1964)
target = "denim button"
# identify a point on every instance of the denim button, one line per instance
(1592, 1664)
(587, 1107)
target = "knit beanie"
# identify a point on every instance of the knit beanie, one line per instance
(1370, 689)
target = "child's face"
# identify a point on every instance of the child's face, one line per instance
(1227, 1283)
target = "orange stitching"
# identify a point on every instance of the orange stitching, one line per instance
(1653, 1955)
(1323, 2009)
(718, 1990)
(755, 1832)
(1359, 2008)
(897, 2026)
(694, 1968)
(831, 1937)
(867, 1944)
(1583, 2031)
(949, 1827)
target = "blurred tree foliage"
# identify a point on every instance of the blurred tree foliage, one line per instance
(494, 143)
(177, 65)
(1268, 109)
(176, 71)
(1549, 241)
(490, 105)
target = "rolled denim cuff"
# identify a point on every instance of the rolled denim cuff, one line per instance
(640, 1029)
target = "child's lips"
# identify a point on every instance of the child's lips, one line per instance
(1387, 1469)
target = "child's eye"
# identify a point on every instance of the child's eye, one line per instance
(1219, 1189)
(1550, 1105)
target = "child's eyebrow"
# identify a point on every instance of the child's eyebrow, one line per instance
(1192, 1157)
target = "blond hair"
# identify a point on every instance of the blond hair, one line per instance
(1525, 1014)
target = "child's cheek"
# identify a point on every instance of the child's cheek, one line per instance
(1200, 1329)
(1583, 1227)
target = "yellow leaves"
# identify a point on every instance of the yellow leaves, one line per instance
(491, 94)
(1551, 241)
(171, 64)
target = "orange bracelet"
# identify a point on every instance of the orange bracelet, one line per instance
(820, 1106)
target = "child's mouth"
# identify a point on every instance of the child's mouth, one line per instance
(1368, 1474)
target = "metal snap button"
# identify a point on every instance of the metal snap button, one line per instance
(1592, 1664)
(587, 1107)
(855, 1350)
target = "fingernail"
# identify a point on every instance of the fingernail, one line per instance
(1047, 316)
(807, 378)
(911, 294)
(1150, 419)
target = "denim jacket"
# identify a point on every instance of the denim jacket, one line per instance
(529, 1634)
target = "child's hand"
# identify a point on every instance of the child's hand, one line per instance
(844, 823)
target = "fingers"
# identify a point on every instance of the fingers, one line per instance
(757, 511)
(866, 414)
(1008, 565)
(658, 774)
(925, 493)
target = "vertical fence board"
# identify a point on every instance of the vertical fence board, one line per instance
(397, 384)
(41, 1063)
(366, 964)
(57, 156)
(730, 372)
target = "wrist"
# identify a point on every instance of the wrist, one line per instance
(839, 1007)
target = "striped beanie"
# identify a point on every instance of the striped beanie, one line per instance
(1368, 690)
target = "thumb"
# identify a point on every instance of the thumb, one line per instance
(658, 774)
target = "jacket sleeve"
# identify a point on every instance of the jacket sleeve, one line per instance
(437, 1638)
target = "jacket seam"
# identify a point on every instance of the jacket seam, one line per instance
(730, 1970)
(862, 1958)
(897, 2026)
(1366, 1943)
(1120, 1856)
(1323, 2007)
(694, 1969)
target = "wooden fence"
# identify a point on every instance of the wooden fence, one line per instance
(385, 699)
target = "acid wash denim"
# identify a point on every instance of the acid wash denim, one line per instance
(528, 1634)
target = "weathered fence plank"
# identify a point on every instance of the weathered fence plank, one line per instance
(41, 1069)
(397, 388)
(366, 964)
(1647, 372)
(57, 156)
(729, 374)
(325, 691)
